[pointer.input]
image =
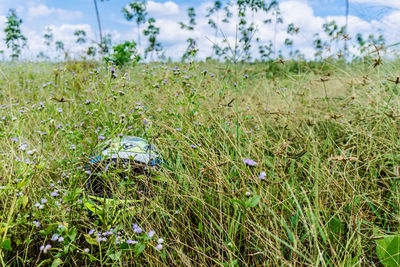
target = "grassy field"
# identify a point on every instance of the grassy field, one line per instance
(265, 164)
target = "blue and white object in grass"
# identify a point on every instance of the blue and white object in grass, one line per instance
(128, 148)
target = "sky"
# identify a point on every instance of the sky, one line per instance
(65, 17)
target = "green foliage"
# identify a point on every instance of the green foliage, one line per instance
(14, 37)
(136, 11)
(152, 32)
(124, 54)
(80, 36)
(388, 250)
(48, 37)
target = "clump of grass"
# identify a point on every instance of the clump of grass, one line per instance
(290, 167)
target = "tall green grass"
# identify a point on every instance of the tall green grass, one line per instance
(325, 134)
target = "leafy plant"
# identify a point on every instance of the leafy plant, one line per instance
(14, 37)
(388, 250)
(136, 11)
(124, 54)
(152, 31)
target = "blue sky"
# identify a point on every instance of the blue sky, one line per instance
(63, 17)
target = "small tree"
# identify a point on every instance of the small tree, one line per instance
(152, 31)
(80, 36)
(14, 37)
(60, 48)
(136, 10)
(191, 50)
(48, 37)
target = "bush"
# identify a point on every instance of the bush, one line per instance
(124, 54)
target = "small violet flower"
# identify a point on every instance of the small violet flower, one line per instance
(250, 162)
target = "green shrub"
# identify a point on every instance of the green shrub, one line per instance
(124, 54)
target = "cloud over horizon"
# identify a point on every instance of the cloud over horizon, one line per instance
(63, 22)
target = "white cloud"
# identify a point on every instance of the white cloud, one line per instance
(44, 11)
(162, 9)
(168, 14)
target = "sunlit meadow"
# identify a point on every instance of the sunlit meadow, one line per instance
(285, 163)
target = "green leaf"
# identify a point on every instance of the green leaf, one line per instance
(241, 203)
(91, 240)
(253, 201)
(115, 256)
(388, 250)
(139, 249)
(6, 244)
(24, 201)
(57, 262)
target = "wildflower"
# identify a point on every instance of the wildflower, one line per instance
(246, 76)
(43, 200)
(54, 237)
(248, 193)
(58, 126)
(138, 230)
(60, 239)
(151, 234)
(60, 110)
(135, 226)
(86, 250)
(87, 102)
(30, 152)
(14, 139)
(250, 162)
(54, 194)
(23, 147)
(106, 168)
(45, 248)
(36, 223)
(160, 241)
(101, 137)
(262, 175)
(130, 242)
(159, 247)
(72, 147)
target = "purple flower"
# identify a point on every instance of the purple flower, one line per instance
(246, 76)
(45, 248)
(106, 168)
(262, 175)
(87, 102)
(135, 226)
(101, 137)
(23, 147)
(36, 223)
(159, 247)
(250, 162)
(160, 241)
(151, 234)
(138, 230)
(60, 239)
(43, 200)
(91, 231)
(130, 242)
(54, 237)
(54, 194)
